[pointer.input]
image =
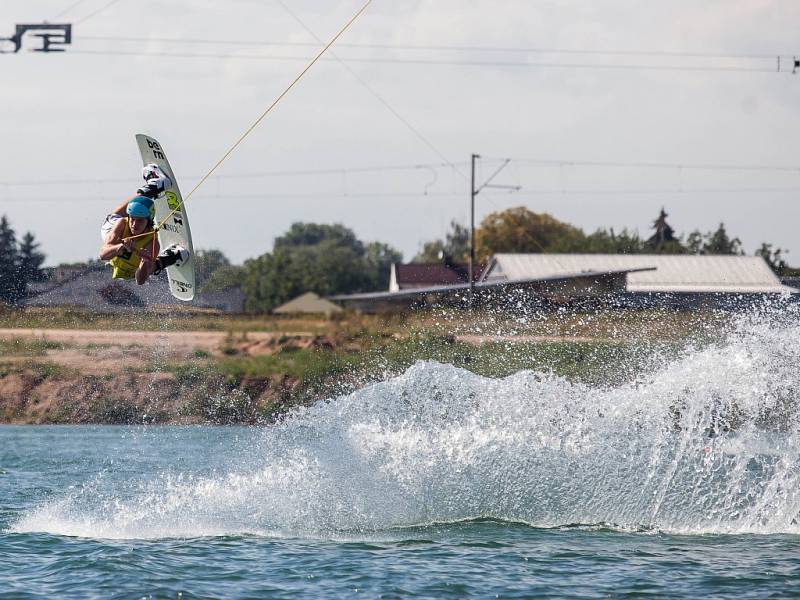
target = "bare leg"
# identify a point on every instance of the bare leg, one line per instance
(146, 268)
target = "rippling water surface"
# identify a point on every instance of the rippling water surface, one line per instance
(438, 483)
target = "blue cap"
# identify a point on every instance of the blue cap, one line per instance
(141, 207)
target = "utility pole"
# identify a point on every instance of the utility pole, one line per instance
(472, 193)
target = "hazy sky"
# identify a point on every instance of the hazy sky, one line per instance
(382, 144)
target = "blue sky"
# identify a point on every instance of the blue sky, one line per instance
(609, 110)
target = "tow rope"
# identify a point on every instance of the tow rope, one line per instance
(255, 124)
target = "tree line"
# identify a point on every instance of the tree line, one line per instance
(519, 230)
(326, 259)
(330, 259)
(20, 263)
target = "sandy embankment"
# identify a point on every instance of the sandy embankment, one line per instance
(110, 376)
(99, 352)
(114, 377)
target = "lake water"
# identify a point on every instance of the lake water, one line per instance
(436, 484)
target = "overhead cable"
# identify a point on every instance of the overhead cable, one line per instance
(554, 162)
(434, 62)
(447, 48)
(380, 98)
(68, 9)
(519, 162)
(421, 195)
(260, 118)
(96, 12)
(252, 175)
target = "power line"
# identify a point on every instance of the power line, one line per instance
(421, 195)
(428, 166)
(649, 165)
(286, 173)
(449, 48)
(264, 196)
(380, 99)
(681, 191)
(96, 12)
(258, 120)
(68, 9)
(433, 62)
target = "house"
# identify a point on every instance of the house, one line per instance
(667, 273)
(308, 303)
(791, 282)
(682, 280)
(411, 276)
(588, 280)
(583, 287)
(92, 288)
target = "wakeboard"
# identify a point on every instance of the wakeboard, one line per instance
(176, 228)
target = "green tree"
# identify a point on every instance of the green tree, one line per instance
(325, 268)
(310, 234)
(263, 283)
(605, 241)
(380, 257)
(455, 246)
(717, 242)
(206, 262)
(521, 230)
(326, 259)
(720, 242)
(694, 242)
(30, 260)
(775, 260)
(12, 286)
(456, 242)
(225, 277)
(431, 252)
(664, 240)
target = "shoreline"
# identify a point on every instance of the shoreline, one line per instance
(63, 375)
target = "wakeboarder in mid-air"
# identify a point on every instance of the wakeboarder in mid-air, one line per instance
(130, 245)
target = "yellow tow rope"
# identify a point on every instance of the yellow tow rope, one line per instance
(256, 122)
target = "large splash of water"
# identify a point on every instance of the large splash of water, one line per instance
(707, 443)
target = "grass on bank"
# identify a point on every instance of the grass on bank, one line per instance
(598, 363)
(609, 324)
(40, 369)
(149, 320)
(16, 346)
(598, 349)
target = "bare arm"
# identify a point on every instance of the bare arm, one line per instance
(114, 243)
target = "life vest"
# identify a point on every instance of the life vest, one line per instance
(124, 265)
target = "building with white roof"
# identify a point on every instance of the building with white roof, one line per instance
(649, 273)
(586, 281)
